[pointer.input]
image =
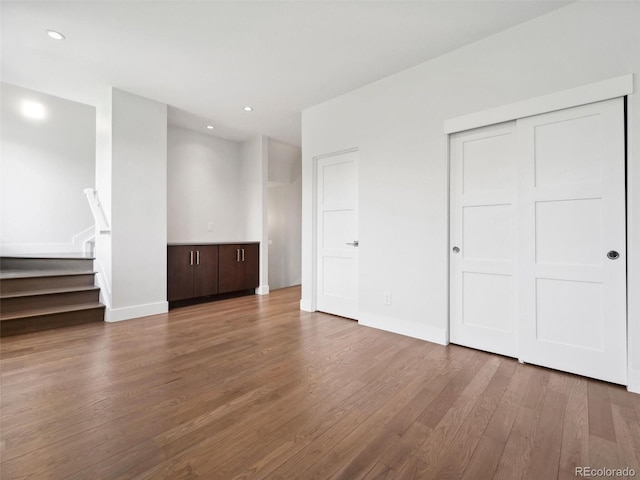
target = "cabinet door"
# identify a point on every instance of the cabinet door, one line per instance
(250, 260)
(179, 273)
(205, 270)
(231, 276)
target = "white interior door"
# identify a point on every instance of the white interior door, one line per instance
(337, 234)
(483, 239)
(571, 211)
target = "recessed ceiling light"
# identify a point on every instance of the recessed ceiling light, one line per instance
(210, 127)
(55, 35)
(248, 109)
(33, 110)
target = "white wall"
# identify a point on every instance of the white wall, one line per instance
(132, 163)
(250, 200)
(253, 200)
(103, 253)
(203, 187)
(284, 163)
(284, 214)
(45, 165)
(397, 125)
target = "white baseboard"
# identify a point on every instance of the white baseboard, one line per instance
(403, 327)
(305, 305)
(101, 281)
(127, 313)
(633, 380)
(262, 290)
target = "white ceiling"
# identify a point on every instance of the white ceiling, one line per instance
(208, 59)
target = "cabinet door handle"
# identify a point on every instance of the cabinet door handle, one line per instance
(191, 257)
(243, 254)
(197, 257)
(237, 254)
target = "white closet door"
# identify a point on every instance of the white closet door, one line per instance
(571, 234)
(483, 239)
(337, 230)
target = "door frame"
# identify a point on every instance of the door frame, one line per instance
(314, 224)
(591, 93)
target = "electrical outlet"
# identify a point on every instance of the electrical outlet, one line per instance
(210, 227)
(386, 298)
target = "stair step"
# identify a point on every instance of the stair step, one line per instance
(15, 282)
(38, 312)
(49, 263)
(60, 255)
(44, 291)
(49, 318)
(16, 273)
(48, 291)
(25, 301)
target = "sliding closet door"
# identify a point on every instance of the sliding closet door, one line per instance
(571, 236)
(483, 239)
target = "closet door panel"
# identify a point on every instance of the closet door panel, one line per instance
(483, 181)
(571, 191)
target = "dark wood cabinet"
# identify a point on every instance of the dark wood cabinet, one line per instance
(179, 272)
(192, 271)
(239, 267)
(205, 271)
(195, 271)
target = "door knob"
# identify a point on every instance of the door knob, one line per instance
(455, 249)
(613, 255)
(355, 243)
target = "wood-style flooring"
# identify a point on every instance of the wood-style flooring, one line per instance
(252, 388)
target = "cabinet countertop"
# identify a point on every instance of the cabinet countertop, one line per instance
(178, 244)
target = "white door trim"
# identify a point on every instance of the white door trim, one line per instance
(593, 92)
(633, 239)
(312, 303)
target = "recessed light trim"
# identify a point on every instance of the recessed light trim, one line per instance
(248, 109)
(210, 127)
(55, 35)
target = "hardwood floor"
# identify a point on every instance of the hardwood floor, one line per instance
(252, 388)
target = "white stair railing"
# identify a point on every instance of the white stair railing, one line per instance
(97, 211)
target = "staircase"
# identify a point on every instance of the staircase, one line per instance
(40, 292)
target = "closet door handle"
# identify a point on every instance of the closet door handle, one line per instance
(237, 254)
(191, 257)
(243, 254)
(197, 257)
